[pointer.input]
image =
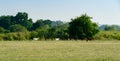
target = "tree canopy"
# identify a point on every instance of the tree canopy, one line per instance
(82, 28)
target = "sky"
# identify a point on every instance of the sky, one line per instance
(102, 11)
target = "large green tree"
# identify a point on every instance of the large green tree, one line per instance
(5, 21)
(22, 19)
(21, 16)
(38, 24)
(82, 28)
(47, 22)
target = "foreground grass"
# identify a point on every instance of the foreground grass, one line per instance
(59, 51)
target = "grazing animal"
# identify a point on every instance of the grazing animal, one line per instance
(35, 39)
(57, 39)
(89, 39)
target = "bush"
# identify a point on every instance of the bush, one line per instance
(15, 36)
(2, 36)
(17, 28)
(2, 30)
(108, 35)
(33, 34)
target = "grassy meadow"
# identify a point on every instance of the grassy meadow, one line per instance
(59, 51)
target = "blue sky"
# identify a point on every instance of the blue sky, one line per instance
(102, 11)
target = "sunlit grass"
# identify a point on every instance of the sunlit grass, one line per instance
(59, 51)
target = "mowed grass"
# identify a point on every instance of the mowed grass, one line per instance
(59, 51)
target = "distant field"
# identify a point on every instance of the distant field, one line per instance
(59, 51)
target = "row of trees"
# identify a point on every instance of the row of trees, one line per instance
(109, 27)
(79, 28)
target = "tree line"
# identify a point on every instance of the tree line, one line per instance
(21, 27)
(109, 27)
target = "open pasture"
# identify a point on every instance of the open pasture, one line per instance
(59, 51)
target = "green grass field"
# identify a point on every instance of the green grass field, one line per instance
(59, 51)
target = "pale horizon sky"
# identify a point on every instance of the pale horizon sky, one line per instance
(102, 11)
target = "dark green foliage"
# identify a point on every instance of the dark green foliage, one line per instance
(56, 23)
(37, 24)
(21, 27)
(40, 23)
(27, 24)
(47, 22)
(22, 19)
(33, 34)
(82, 28)
(2, 30)
(62, 31)
(17, 28)
(51, 33)
(5, 21)
(42, 31)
